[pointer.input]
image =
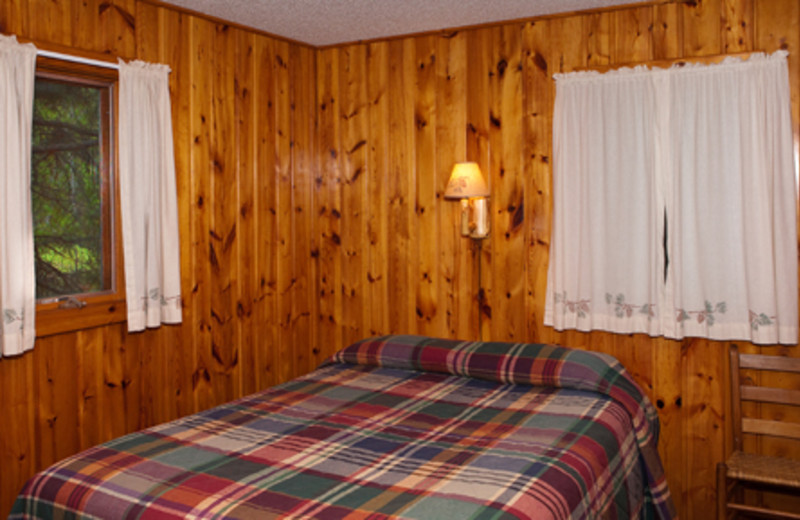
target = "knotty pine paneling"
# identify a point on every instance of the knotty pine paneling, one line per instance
(310, 191)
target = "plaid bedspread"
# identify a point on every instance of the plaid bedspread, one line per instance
(391, 427)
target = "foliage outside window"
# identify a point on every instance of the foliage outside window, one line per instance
(68, 187)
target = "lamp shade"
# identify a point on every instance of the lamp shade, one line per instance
(466, 181)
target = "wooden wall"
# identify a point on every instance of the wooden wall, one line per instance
(310, 188)
(409, 108)
(243, 117)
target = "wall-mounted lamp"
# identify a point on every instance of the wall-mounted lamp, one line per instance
(467, 183)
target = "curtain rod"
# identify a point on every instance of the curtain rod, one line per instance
(77, 59)
(666, 63)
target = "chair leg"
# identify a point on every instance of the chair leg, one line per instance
(722, 491)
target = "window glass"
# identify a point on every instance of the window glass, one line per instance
(70, 188)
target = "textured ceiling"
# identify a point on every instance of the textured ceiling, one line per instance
(327, 22)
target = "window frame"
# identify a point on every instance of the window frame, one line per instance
(60, 315)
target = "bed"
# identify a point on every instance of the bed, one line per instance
(390, 427)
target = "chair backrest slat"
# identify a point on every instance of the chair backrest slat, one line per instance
(771, 428)
(770, 395)
(776, 363)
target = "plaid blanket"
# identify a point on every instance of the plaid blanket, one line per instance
(391, 427)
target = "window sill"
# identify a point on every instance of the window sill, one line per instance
(98, 311)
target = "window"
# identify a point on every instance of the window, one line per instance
(78, 261)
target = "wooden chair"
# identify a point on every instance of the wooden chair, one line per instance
(749, 470)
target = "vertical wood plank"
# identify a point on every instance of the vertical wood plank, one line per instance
(669, 365)
(667, 31)
(133, 383)
(285, 368)
(18, 450)
(703, 401)
(245, 214)
(354, 117)
(377, 276)
(86, 15)
(402, 196)
(425, 242)
(328, 198)
(303, 165)
(114, 383)
(48, 21)
(91, 395)
(568, 40)
(508, 199)
(445, 145)
(118, 26)
(633, 35)
(701, 27)
(223, 239)
(738, 25)
(11, 20)
(598, 30)
(201, 38)
(539, 97)
(57, 395)
(266, 310)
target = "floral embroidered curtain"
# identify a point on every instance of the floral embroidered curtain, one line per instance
(17, 273)
(149, 201)
(674, 202)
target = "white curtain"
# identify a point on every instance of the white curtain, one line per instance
(17, 271)
(674, 210)
(149, 202)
